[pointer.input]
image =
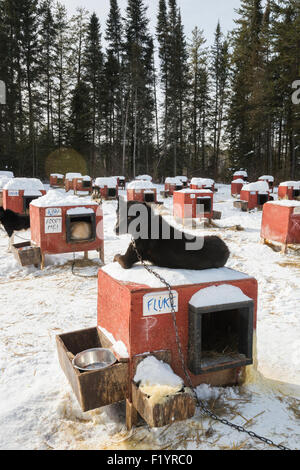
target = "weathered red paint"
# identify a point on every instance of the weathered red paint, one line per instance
(171, 187)
(55, 243)
(286, 192)
(236, 188)
(120, 312)
(139, 194)
(185, 204)
(16, 203)
(57, 183)
(251, 197)
(281, 224)
(202, 186)
(78, 185)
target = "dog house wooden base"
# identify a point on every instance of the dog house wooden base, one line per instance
(250, 200)
(281, 224)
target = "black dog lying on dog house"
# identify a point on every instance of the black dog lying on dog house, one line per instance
(161, 244)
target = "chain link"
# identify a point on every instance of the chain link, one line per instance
(203, 408)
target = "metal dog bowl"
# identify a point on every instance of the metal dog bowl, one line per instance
(94, 359)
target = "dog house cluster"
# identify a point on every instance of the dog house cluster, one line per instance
(106, 188)
(193, 204)
(253, 195)
(141, 191)
(66, 224)
(18, 193)
(216, 320)
(289, 190)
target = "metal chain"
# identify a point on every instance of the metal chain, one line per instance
(201, 405)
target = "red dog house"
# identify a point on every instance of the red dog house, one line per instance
(184, 180)
(216, 319)
(173, 184)
(269, 179)
(121, 181)
(236, 187)
(253, 195)
(289, 190)
(3, 182)
(19, 192)
(141, 191)
(57, 180)
(241, 174)
(69, 180)
(52, 222)
(202, 183)
(106, 188)
(83, 186)
(281, 223)
(193, 203)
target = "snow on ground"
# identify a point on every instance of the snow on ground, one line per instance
(37, 407)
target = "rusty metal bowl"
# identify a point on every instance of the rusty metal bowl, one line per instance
(94, 359)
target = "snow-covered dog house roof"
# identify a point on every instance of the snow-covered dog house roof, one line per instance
(268, 178)
(195, 191)
(241, 173)
(7, 174)
(141, 184)
(144, 177)
(182, 178)
(56, 198)
(291, 184)
(239, 181)
(261, 187)
(57, 175)
(202, 182)
(176, 181)
(73, 176)
(109, 182)
(3, 181)
(218, 295)
(30, 186)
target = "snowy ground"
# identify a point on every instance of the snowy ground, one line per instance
(37, 407)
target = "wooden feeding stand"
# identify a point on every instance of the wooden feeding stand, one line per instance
(141, 191)
(106, 188)
(203, 183)
(241, 174)
(69, 180)
(216, 319)
(57, 180)
(269, 179)
(190, 205)
(236, 187)
(83, 186)
(171, 185)
(253, 196)
(18, 193)
(281, 224)
(61, 224)
(289, 190)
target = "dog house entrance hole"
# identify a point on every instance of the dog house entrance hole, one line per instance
(220, 337)
(262, 199)
(149, 197)
(86, 184)
(296, 193)
(88, 229)
(205, 202)
(26, 202)
(111, 192)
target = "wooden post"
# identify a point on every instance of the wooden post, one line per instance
(42, 261)
(131, 415)
(86, 255)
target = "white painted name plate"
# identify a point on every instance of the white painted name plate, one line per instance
(53, 212)
(53, 225)
(158, 303)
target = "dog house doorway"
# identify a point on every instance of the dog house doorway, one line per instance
(204, 202)
(149, 197)
(84, 225)
(26, 203)
(262, 199)
(220, 337)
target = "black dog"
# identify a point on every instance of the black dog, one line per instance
(174, 251)
(13, 222)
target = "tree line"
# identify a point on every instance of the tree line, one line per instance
(128, 101)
